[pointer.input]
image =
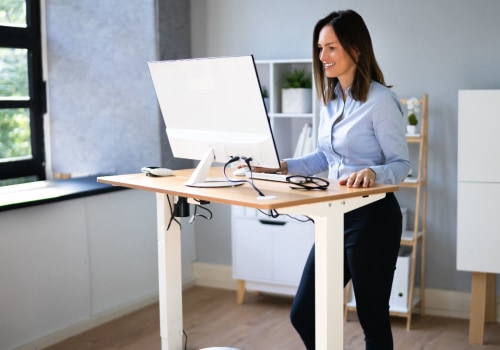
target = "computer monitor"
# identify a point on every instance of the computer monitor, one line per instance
(213, 110)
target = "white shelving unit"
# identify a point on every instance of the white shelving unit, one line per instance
(269, 254)
(286, 127)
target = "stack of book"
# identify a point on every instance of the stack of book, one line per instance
(305, 143)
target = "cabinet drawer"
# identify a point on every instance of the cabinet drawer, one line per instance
(270, 250)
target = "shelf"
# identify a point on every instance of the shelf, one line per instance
(403, 312)
(409, 184)
(288, 115)
(284, 61)
(413, 136)
(407, 237)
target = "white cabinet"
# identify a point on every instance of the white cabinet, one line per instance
(67, 265)
(478, 222)
(478, 225)
(269, 254)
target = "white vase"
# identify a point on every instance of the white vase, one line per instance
(411, 129)
(296, 101)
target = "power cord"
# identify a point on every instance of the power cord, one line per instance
(250, 182)
(275, 214)
(207, 216)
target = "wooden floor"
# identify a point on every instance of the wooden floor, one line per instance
(212, 318)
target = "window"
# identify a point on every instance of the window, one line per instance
(22, 93)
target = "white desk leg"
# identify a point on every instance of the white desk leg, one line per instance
(170, 276)
(329, 264)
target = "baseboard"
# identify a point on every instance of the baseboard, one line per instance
(213, 275)
(91, 322)
(437, 302)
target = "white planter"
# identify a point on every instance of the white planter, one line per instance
(296, 101)
(411, 129)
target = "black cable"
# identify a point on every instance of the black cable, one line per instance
(172, 216)
(250, 182)
(273, 213)
(300, 220)
(195, 214)
(186, 341)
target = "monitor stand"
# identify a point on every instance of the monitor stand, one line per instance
(199, 176)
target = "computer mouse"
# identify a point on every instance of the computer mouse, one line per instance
(157, 171)
(241, 172)
(161, 172)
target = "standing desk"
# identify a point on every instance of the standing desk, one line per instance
(327, 208)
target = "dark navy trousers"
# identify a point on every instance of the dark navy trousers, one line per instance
(372, 236)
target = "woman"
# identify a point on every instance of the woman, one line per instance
(361, 142)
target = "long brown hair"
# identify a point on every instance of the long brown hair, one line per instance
(354, 37)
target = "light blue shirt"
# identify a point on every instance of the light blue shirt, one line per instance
(355, 135)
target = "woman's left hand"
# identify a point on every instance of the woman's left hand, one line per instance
(362, 178)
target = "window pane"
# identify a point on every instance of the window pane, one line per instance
(13, 73)
(18, 180)
(13, 13)
(15, 134)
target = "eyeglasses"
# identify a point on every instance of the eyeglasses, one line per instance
(307, 182)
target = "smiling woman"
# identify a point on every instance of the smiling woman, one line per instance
(21, 93)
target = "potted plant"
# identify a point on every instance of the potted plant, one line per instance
(265, 96)
(296, 93)
(412, 106)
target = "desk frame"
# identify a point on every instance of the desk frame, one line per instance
(327, 208)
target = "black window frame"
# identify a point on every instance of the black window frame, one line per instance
(29, 38)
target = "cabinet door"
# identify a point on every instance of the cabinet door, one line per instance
(478, 227)
(252, 250)
(292, 243)
(478, 125)
(267, 250)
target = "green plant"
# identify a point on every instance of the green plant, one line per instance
(296, 79)
(265, 94)
(412, 119)
(412, 106)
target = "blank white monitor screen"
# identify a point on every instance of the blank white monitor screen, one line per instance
(214, 105)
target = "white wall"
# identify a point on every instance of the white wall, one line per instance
(437, 47)
(103, 114)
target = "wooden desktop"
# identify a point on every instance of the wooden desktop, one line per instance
(327, 208)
